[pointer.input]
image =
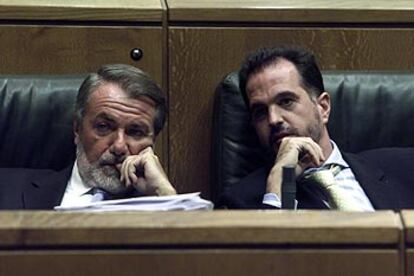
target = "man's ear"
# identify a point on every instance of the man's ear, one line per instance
(324, 105)
(76, 128)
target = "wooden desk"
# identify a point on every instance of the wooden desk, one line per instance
(200, 243)
(408, 222)
(346, 11)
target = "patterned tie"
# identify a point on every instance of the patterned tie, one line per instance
(338, 198)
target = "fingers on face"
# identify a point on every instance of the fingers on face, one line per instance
(309, 152)
(128, 170)
(133, 167)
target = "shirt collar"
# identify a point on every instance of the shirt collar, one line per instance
(75, 184)
(336, 157)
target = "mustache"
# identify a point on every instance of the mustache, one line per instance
(277, 130)
(110, 159)
(280, 130)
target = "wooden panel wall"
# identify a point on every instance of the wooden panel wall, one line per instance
(77, 49)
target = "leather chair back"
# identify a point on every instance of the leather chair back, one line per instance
(36, 115)
(369, 110)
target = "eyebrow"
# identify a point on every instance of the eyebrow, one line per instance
(105, 116)
(136, 124)
(286, 93)
(283, 94)
(139, 125)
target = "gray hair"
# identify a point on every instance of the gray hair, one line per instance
(135, 82)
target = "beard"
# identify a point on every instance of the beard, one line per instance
(314, 130)
(102, 173)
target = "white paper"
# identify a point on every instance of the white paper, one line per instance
(191, 201)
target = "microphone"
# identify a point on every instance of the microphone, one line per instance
(288, 187)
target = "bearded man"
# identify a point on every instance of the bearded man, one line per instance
(119, 112)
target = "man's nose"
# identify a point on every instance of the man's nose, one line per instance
(119, 145)
(274, 116)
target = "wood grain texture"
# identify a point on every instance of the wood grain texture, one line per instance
(351, 11)
(121, 10)
(26, 229)
(409, 259)
(407, 217)
(200, 57)
(201, 262)
(77, 49)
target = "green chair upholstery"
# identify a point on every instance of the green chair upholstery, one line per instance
(36, 121)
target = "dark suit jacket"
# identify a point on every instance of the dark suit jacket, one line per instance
(37, 189)
(31, 188)
(386, 175)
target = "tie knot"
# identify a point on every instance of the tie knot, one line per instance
(323, 179)
(323, 176)
(99, 194)
(334, 168)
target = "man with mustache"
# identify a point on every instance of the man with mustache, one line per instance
(289, 109)
(119, 112)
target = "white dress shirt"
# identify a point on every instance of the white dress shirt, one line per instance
(345, 180)
(77, 192)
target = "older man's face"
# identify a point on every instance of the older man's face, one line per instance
(113, 127)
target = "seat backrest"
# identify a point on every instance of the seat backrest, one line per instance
(368, 110)
(36, 114)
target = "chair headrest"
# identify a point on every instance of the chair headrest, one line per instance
(36, 115)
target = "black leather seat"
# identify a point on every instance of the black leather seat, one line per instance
(369, 110)
(36, 121)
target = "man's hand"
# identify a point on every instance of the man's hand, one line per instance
(301, 152)
(145, 173)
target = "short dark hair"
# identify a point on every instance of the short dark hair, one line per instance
(135, 82)
(303, 60)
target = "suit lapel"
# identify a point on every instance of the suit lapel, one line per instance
(46, 191)
(373, 182)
